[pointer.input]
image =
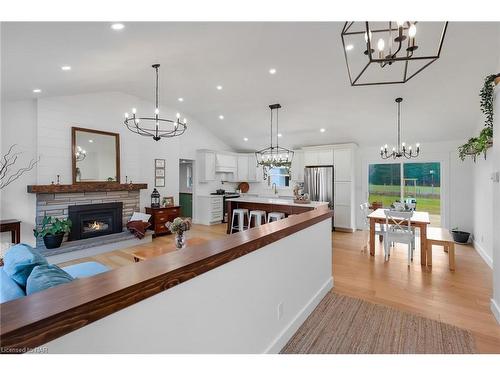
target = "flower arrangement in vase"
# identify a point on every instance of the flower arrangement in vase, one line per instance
(179, 226)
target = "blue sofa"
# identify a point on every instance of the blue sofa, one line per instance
(10, 290)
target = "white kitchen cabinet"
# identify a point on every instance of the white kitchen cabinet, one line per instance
(342, 217)
(252, 168)
(298, 166)
(226, 163)
(242, 173)
(316, 157)
(344, 168)
(206, 168)
(210, 209)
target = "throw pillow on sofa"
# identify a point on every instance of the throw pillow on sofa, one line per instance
(46, 276)
(20, 260)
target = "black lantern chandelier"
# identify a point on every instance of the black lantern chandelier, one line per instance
(274, 156)
(400, 150)
(80, 154)
(155, 126)
(396, 49)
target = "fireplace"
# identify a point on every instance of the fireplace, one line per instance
(93, 220)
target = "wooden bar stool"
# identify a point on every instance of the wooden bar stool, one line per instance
(441, 237)
(275, 216)
(240, 213)
(259, 218)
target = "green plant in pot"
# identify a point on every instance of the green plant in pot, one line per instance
(52, 231)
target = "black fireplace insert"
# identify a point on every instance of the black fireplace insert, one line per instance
(93, 220)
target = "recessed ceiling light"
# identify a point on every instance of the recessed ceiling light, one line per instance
(245, 139)
(117, 26)
(180, 99)
(272, 71)
(221, 117)
(322, 130)
(91, 141)
(219, 87)
(280, 135)
(37, 91)
(349, 47)
(66, 67)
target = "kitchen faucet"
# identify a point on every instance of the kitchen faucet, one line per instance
(275, 189)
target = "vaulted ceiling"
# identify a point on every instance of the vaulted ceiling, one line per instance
(311, 80)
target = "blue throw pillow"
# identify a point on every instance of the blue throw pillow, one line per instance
(19, 261)
(46, 276)
(9, 289)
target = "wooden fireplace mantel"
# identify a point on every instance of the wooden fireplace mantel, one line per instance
(83, 187)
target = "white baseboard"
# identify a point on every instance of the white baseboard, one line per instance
(495, 309)
(483, 254)
(285, 335)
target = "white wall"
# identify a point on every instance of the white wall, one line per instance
(456, 181)
(19, 127)
(43, 127)
(226, 310)
(495, 158)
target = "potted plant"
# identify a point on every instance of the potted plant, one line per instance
(52, 231)
(460, 236)
(179, 226)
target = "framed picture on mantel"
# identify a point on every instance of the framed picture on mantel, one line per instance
(159, 172)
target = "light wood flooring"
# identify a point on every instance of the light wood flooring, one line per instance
(461, 298)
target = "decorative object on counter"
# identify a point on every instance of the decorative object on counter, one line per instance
(155, 199)
(400, 150)
(159, 172)
(274, 156)
(476, 146)
(155, 126)
(7, 162)
(460, 236)
(52, 231)
(244, 187)
(408, 62)
(179, 226)
(167, 202)
(302, 199)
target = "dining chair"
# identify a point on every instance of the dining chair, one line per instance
(399, 230)
(379, 228)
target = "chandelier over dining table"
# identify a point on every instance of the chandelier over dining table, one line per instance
(401, 149)
(392, 46)
(274, 156)
(155, 126)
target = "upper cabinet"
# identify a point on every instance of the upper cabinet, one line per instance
(206, 162)
(298, 166)
(242, 174)
(318, 156)
(226, 163)
(344, 168)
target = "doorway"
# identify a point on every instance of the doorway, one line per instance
(186, 187)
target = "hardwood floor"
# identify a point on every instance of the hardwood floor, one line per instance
(461, 298)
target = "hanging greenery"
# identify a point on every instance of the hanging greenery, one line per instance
(476, 146)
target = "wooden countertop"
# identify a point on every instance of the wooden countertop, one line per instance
(36, 319)
(277, 201)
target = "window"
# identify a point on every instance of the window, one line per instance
(279, 176)
(407, 182)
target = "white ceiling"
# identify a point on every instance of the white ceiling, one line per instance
(311, 82)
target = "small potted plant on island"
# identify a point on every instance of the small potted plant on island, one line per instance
(178, 227)
(52, 231)
(460, 236)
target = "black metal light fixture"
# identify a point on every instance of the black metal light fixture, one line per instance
(396, 46)
(155, 126)
(274, 156)
(155, 199)
(400, 150)
(80, 154)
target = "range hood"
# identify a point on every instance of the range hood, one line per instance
(225, 163)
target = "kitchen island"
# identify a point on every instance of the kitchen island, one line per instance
(287, 206)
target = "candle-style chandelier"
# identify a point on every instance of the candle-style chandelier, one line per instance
(396, 44)
(274, 156)
(400, 150)
(80, 154)
(155, 126)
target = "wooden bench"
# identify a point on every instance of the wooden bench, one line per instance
(440, 237)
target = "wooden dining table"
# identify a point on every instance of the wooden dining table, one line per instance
(419, 219)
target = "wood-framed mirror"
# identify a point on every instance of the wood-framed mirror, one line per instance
(95, 156)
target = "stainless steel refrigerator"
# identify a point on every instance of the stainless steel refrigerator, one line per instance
(318, 183)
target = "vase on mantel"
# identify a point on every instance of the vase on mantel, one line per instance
(180, 240)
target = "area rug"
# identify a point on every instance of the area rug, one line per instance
(346, 325)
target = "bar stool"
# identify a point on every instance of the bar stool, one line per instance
(259, 218)
(275, 216)
(240, 213)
